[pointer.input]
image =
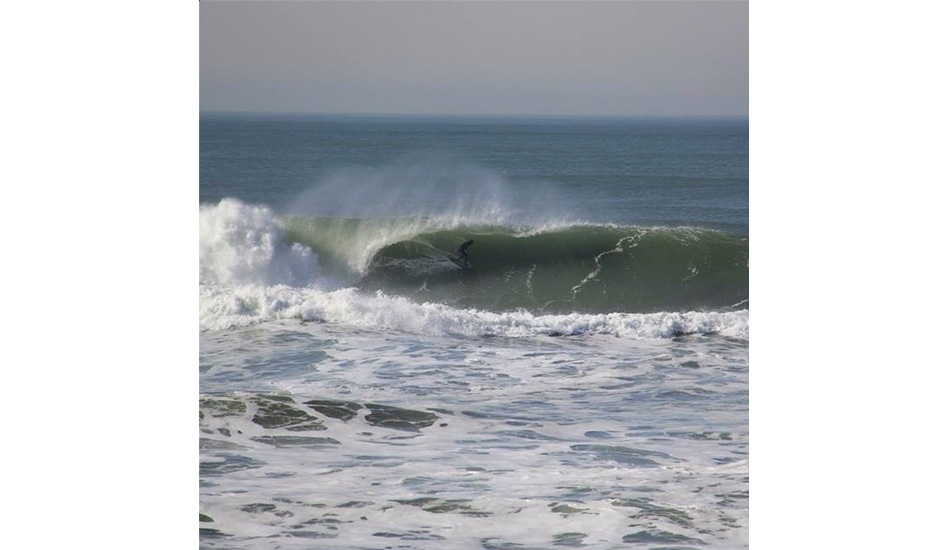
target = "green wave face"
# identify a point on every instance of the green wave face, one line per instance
(584, 269)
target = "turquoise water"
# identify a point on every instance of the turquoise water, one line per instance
(585, 384)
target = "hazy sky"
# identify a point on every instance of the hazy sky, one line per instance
(506, 58)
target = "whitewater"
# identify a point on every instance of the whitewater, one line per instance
(585, 384)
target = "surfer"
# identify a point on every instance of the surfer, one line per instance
(463, 251)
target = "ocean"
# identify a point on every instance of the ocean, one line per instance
(585, 383)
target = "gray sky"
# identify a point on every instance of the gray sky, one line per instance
(506, 58)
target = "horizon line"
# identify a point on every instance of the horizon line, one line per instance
(468, 115)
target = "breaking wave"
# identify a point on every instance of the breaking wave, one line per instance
(394, 273)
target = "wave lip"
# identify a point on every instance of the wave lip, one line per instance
(223, 307)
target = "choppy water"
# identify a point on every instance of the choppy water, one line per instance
(584, 385)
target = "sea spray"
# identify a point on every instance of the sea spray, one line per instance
(445, 190)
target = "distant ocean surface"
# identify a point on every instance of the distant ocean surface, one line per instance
(584, 384)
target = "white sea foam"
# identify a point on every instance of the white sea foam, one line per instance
(223, 307)
(243, 244)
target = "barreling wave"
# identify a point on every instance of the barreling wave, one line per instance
(553, 279)
(551, 269)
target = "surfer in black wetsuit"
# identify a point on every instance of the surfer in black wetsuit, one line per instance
(463, 251)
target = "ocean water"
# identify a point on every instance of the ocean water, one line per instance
(584, 384)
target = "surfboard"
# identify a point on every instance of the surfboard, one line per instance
(456, 261)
